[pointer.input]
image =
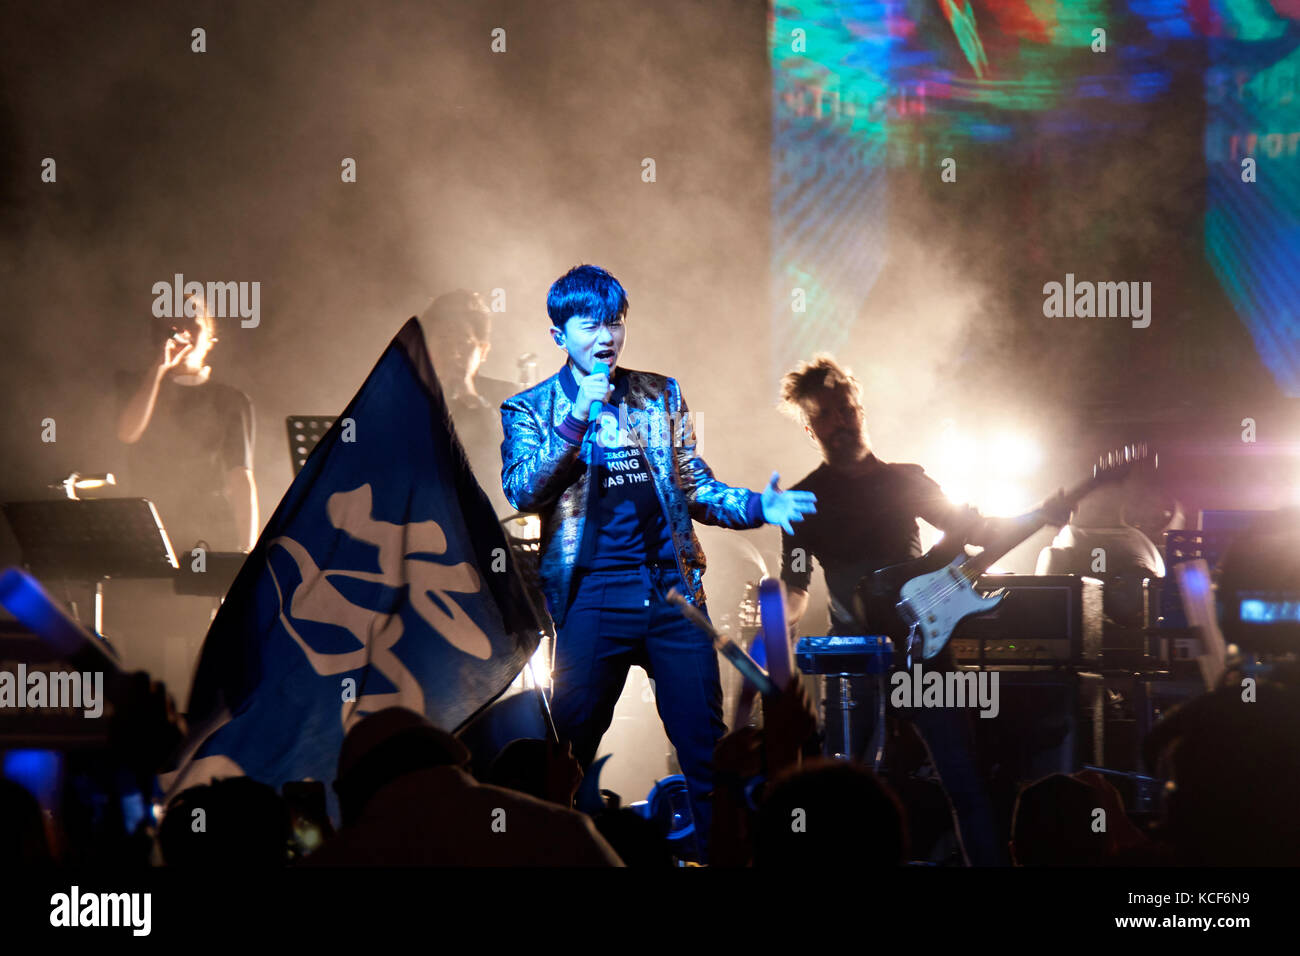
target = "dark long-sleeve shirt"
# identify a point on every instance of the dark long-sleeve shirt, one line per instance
(864, 521)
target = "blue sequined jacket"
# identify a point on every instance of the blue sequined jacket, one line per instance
(544, 470)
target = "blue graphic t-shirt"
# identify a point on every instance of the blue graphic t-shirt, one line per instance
(631, 528)
(626, 525)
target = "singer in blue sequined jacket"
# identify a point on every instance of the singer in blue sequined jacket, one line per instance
(545, 471)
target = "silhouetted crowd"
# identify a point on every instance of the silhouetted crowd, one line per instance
(406, 796)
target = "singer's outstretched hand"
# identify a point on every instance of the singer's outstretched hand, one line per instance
(784, 507)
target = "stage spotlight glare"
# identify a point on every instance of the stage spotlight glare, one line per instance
(1014, 455)
(1003, 500)
(956, 450)
(957, 492)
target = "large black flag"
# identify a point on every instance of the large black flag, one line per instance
(382, 579)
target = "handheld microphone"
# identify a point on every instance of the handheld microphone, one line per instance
(600, 368)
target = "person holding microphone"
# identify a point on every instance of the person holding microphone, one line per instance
(606, 456)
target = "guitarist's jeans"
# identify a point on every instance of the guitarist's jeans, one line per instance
(619, 618)
(946, 733)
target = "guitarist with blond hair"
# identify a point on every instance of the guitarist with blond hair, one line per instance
(866, 520)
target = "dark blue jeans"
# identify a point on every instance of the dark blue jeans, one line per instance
(620, 618)
(947, 735)
(950, 744)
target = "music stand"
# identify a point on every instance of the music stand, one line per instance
(91, 541)
(305, 433)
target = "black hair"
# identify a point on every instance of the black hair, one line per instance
(587, 291)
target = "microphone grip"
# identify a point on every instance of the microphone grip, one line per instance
(600, 368)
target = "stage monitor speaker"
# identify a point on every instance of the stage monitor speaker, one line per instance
(514, 717)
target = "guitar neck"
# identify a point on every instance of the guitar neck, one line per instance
(1024, 528)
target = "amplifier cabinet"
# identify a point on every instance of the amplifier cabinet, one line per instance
(1049, 619)
(1048, 722)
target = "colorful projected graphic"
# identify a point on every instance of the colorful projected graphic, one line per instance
(1252, 229)
(830, 96)
(864, 90)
